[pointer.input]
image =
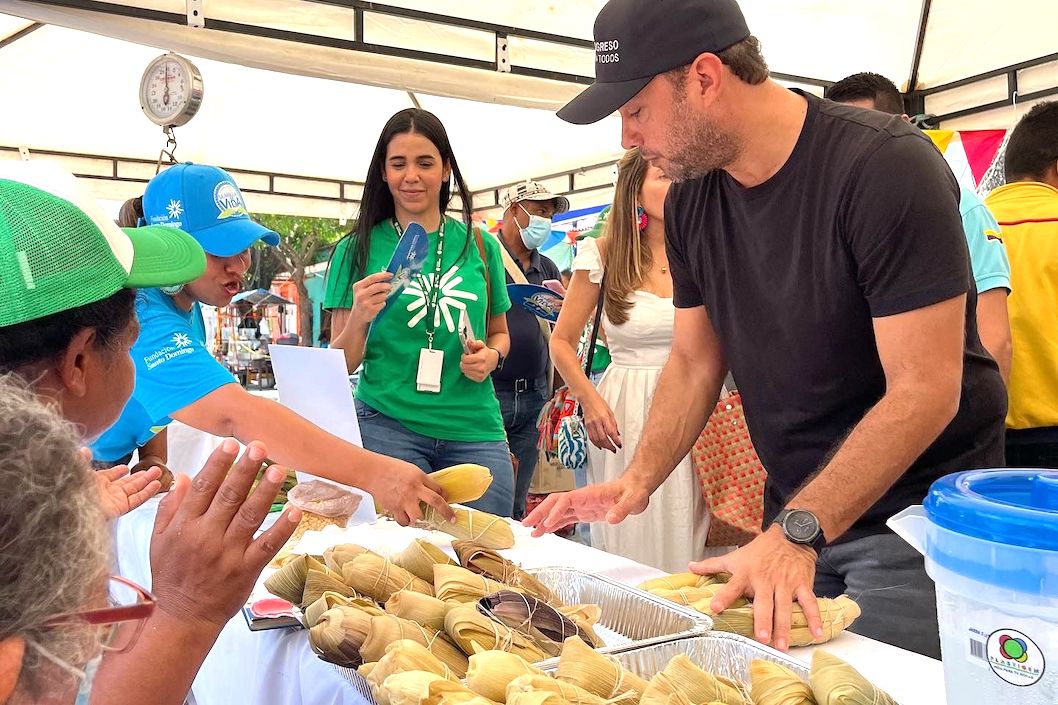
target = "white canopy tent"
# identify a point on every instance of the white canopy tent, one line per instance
(298, 90)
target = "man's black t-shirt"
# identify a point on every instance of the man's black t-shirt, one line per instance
(861, 222)
(529, 355)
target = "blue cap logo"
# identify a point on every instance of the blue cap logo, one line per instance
(229, 201)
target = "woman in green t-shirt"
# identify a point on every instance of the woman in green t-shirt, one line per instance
(421, 398)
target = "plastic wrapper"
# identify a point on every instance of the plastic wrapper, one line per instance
(324, 498)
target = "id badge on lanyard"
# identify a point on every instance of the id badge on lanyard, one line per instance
(431, 362)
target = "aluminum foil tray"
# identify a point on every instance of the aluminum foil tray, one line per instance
(720, 653)
(631, 618)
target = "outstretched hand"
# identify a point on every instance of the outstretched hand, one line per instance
(611, 501)
(120, 492)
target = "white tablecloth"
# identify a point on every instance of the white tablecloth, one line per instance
(277, 667)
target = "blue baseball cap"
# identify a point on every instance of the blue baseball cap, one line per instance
(206, 202)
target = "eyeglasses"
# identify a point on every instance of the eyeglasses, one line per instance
(119, 623)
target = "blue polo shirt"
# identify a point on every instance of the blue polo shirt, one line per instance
(174, 369)
(988, 255)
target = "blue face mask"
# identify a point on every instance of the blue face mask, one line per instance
(537, 232)
(84, 692)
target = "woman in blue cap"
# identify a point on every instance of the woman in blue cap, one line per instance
(178, 378)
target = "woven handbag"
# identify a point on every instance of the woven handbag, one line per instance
(731, 475)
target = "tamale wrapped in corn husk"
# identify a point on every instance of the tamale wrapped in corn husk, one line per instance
(403, 655)
(387, 629)
(337, 556)
(452, 583)
(775, 684)
(676, 581)
(318, 582)
(537, 698)
(486, 561)
(486, 529)
(289, 581)
(338, 635)
(374, 576)
(452, 693)
(473, 632)
(542, 623)
(417, 607)
(407, 688)
(596, 673)
(328, 600)
(697, 596)
(420, 557)
(463, 483)
(700, 686)
(587, 614)
(547, 684)
(662, 691)
(491, 671)
(835, 682)
(837, 614)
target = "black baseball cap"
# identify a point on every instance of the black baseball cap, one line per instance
(635, 40)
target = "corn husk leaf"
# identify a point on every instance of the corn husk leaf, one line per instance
(473, 632)
(463, 483)
(491, 671)
(318, 582)
(338, 635)
(486, 529)
(453, 693)
(329, 600)
(337, 556)
(452, 583)
(401, 656)
(586, 614)
(387, 629)
(837, 614)
(701, 686)
(420, 557)
(417, 607)
(596, 673)
(407, 688)
(547, 684)
(675, 581)
(662, 691)
(486, 561)
(774, 684)
(374, 576)
(537, 698)
(289, 581)
(835, 682)
(542, 623)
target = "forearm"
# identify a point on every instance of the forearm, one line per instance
(685, 396)
(499, 341)
(157, 449)
(566, 363)
(297, 443)
(877, 452)
(159, 668)
(352, 340)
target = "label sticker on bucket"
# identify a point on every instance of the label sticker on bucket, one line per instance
(1013, 656)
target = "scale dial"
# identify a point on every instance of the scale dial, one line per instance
(171, 90)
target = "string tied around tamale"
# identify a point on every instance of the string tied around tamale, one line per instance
(470, 526)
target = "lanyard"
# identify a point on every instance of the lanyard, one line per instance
(431, 293)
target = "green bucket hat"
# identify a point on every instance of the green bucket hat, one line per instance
(58, 249)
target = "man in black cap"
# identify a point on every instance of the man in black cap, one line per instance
(835, 288)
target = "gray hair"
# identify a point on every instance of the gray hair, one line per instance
(54, 538)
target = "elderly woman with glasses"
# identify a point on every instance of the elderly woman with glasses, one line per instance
(67, 281)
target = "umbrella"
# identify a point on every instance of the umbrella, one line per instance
(260, 297)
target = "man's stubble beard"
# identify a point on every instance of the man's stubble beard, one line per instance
(697, 147)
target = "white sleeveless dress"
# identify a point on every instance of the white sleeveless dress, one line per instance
(672, 531)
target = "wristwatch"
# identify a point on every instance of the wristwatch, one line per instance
(802, 527)
(499, 357)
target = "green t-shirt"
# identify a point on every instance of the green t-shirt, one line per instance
(463, 410)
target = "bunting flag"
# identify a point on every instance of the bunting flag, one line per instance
(969, 153)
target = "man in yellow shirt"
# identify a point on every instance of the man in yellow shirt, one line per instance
(1027, 211)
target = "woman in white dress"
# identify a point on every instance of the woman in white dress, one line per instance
(637, 318)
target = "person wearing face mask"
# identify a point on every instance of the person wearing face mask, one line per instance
(178, 378)
(523, 383)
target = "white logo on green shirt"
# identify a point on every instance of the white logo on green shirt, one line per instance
(450, 299)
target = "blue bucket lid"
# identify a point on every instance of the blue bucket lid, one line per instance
(1015, 507)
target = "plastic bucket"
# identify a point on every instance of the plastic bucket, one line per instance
(990, 538)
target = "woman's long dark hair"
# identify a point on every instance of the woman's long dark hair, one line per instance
(376, 204)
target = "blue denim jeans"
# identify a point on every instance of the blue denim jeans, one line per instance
(387, 436)
(520, 411)
(888, 580)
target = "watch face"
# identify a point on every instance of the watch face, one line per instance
(801, 525)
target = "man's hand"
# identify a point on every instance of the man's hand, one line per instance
(773, 572)
(120, 492)
(479, 362)
(611, 501)
(402, 489)
(204, 558)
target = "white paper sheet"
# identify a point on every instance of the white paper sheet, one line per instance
(313, 383)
